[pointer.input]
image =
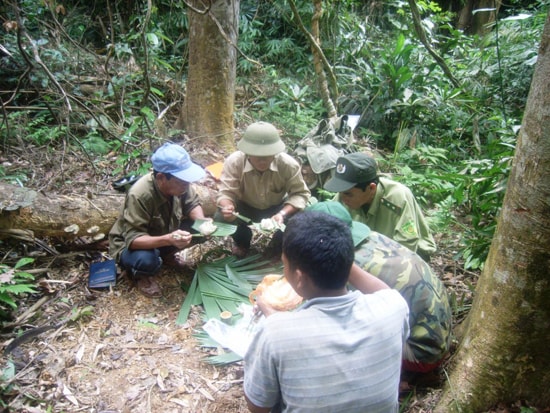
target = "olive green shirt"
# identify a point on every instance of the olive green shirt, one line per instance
(426, 295)
(395, 213)
(146, 211)
(281, 183)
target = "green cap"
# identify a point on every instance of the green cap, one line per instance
(261, 139)
(359, 231)
(352, 169)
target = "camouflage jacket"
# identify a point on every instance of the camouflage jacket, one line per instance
(405, 271)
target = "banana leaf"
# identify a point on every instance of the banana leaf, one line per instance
(223, 229)
(193, 297)
(223, 359)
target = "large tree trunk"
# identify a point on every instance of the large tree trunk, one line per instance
(48, 216)
(503, 356)
(207, 113)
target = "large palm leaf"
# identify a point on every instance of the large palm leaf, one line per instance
(223, 284)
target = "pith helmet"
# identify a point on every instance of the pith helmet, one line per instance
(261, 139)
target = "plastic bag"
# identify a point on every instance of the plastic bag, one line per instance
(236, 337)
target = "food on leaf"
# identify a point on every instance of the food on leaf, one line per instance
(277, 292)
(267, 224)
(207, 228)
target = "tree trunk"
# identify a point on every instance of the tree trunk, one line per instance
(207, 113)
(48, 216)
(503, 356)
(318, 61)
(473, 22)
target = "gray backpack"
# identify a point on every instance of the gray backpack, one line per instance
(321, 147)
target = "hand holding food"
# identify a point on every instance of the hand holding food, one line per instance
(181, 239)
(228, 212)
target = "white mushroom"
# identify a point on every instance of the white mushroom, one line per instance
(93, 230)
(73, 229)
(98, 236)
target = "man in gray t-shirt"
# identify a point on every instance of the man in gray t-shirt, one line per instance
(341, 351)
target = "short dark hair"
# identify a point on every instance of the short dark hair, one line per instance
(363, 185)
(321, 246)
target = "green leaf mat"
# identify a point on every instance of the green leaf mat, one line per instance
(223, 284)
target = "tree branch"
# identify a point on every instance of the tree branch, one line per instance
(317, 51)
(422, 36)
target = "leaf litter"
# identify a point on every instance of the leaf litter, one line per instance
(130, 354)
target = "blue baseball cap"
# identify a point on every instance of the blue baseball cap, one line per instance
(174, 160)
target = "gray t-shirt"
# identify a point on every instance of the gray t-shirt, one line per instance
(333, 354)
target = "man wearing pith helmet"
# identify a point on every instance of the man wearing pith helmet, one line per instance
(386, 206)
(260, 181)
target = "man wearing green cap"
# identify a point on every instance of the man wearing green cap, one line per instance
(405, 271)
(260, 181)
(386, 206)
(148, 231)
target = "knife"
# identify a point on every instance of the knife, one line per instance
(245, 219)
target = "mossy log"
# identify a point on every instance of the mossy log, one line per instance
(49, 215)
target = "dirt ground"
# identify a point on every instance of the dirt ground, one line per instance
(125, 352)
(127, 355)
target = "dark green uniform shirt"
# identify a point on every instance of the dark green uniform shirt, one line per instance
(429, 308)
(146, 211)
(395, 213)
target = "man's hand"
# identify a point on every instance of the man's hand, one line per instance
(278, 218)
(263, 307)
(180, 239)
(228, 212)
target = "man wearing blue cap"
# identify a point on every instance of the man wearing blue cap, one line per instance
(147, 232)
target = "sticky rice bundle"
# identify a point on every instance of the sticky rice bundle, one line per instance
(207, 228)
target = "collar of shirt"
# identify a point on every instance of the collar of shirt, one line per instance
(272, 166)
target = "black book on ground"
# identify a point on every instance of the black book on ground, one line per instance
(102, 274)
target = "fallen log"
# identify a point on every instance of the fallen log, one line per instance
(48, 215)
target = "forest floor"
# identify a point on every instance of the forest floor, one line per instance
(126, 353)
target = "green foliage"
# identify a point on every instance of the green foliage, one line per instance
(7, 374)
(468, 193)
(17, 178)
(479, 195)
(451, 145)
(291, 108)
(14, 283)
